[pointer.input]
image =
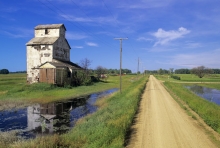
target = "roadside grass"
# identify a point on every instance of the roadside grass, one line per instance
(7, 138)
(208, 111)
(105, 128)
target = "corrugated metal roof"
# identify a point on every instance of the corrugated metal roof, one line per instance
(42, 40)
(49, 26)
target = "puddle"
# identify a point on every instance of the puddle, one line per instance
(43, 119)
(212, 95)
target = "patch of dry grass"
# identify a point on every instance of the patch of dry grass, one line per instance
(8, 138)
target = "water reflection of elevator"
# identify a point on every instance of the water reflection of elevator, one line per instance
(52, 117)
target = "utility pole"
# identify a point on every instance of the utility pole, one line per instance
(138, 66)
(120, 56)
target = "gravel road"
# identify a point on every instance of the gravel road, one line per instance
(162, 123)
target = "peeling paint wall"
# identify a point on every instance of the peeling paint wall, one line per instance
(61, 50)
(37, 55)
(40, 53)
(47, 33)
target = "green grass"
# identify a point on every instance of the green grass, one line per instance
(211, 85)
(105, 128)
(194, 78)
(190, 78)
(13, 88)
(208, 111)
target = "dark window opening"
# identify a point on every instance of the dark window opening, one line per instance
(46, 31)
(68, 74)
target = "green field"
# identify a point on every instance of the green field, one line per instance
(106, 128)
(13, 89)
(190, 78)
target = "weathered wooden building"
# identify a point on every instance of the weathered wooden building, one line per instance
(48, 56)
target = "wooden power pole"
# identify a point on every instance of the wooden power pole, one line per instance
(120, 56)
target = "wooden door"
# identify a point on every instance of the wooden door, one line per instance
(47, 75)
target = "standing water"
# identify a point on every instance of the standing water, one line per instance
(56, 117)
(212, 95)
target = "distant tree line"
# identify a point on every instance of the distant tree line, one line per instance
(189, 71)
(160, 71)
(104, 70)
(182, 71)
(216, 71)
(199, 71)
(117, 71)
(4, 71)
(19, 72)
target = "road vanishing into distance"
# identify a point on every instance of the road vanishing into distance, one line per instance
(162, 123)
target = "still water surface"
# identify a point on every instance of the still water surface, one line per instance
(212, 95)
(56, 117)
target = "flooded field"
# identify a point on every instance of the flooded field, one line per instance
(212, 95)
(56, 117)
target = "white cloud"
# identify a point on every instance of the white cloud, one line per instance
(165, 37)
(91, 44)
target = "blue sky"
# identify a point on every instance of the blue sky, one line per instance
(161, 33)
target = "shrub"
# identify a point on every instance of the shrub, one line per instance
(175, 77)
(4, 71)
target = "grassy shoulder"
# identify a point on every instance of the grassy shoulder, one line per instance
(105, 128)
(208, 111)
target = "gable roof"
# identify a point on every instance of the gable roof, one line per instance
(69, 63)
(49, 26)
(42, 40)
(61, 64)
(68, 43)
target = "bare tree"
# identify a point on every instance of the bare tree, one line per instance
(100, 71)
(201, 71)
(85, 63)
(82, 77)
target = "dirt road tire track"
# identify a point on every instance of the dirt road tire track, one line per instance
(161, 123)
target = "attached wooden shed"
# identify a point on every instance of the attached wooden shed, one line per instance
(58, 72)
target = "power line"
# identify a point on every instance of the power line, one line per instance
(78, 25)
(69, 19)
(116, 22)
(86, 13)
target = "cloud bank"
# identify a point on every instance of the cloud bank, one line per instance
(163, 37)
